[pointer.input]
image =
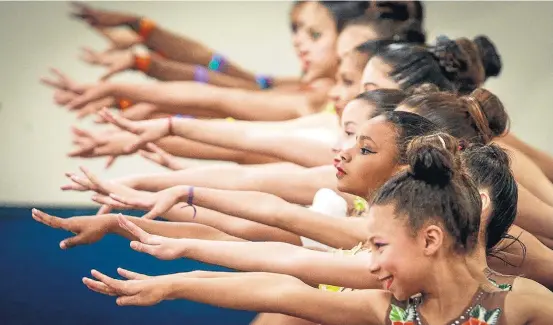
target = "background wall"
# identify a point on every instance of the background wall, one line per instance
(34, 133)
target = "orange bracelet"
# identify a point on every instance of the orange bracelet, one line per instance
(124, 104)
(142, 62)
(146, 26)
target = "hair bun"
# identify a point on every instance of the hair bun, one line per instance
(491, 60)
(449, 56)
(432, 158)
(494, 118)
(423, 89)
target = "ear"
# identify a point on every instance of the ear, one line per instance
(486, 202)
(433, 237)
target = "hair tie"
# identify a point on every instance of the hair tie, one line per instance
(201, 74)
(217, 63)
(184, 116)
(442, 141)
(264, 82)
(477, 115)
(142, 62)
(145, 28)
(190, 201)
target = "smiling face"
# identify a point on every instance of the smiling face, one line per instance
(399, 259)
(371, 161)
(314, 39)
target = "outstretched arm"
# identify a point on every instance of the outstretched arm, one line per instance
(191, 97)
(313, 267)
(265, 292)
(283, 146)
(540, 158)
(259, 207)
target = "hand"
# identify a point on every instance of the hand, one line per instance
(136, 112)
(147, 131)
(90, 182)
(138, 290)
(92, 94)
(63, 82)
(106, 143)
(87, 229)
(156, 203)
(101, 18)
(115, 61)
(120, 39)
(161, 247)
(161, 157)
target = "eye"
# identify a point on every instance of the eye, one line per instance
(349, 134)
(294, 28)
(315, 35)
(348, 82)
(379, 245)
(366, 151)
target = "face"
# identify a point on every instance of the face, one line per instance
(348, 80)
(371, 161)
(353, 36)
(399, 259)
(314, 38)
(355, 113)
(376, 75)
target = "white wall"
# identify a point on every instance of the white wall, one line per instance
(34, 133)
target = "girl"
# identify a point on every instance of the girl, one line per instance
(417, 248)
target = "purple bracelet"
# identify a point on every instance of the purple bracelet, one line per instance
(201, 74)
(189, 202)
(217, 63)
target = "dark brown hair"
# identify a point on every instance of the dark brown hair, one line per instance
(478, 117)
(435, 190)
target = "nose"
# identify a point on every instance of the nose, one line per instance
(333, 94)
(374, 266)
(345, 156)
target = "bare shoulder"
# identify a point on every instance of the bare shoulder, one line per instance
(528, 309)
(526, 286)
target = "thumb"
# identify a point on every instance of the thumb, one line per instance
(71, 242)
(139, 144)
(109, 74)
(144, 248)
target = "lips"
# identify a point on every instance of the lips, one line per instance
(387, 282)
(341, 173)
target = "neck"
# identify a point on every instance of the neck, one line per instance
(450, 289)
(477, 263)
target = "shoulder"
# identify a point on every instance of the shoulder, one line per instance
(526, 286)
(528, 308)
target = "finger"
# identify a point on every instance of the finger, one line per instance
(110, 74)
(74, 187)
(110, 161)
(154, 213)
(121, 122)
(137, 145)
(49, 220)
(144, 248)
(117, 285)
(135, 230)
(71, 242)
(104, 209)
(84, 182)
(131, 275)
(106, 200)
(85, 151)
(88, 109)
(98, 183)
(99, 287)
(136, 300)
(152, 157)
(53, 83)
(139, 203)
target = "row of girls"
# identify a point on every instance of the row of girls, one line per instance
(407, 200)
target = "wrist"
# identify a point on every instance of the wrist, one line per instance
(142, 26)
(142, 62)
(171, 286)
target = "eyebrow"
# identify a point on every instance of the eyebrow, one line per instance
(370, 84)
(365, 137)
(349, 123)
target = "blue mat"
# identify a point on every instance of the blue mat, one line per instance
(41, 284)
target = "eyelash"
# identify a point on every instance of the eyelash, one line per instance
(365, 151)
(349, 134)
(379, 245)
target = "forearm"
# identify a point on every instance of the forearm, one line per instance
(181, 97)
(313, 267)
(175, 230)
(534, 215)
(181, 147)
(233, 226)
(542, 159)
(183, 49)
(280, 294)
(168, 70)
(295, 149)
(274, 211)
